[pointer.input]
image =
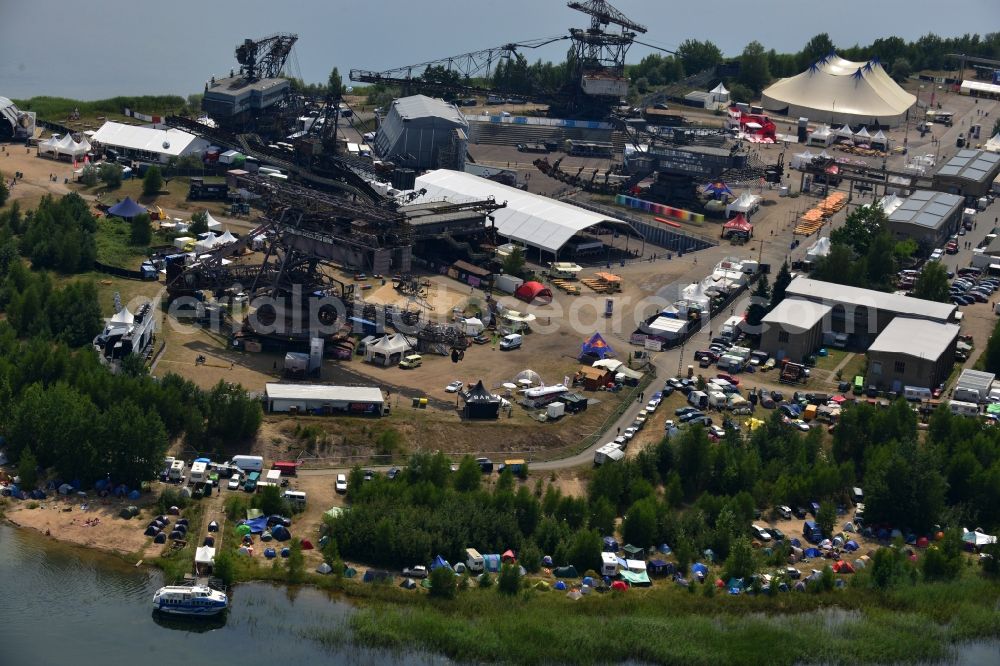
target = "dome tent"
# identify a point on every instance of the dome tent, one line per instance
(534, 292)
(126, 209)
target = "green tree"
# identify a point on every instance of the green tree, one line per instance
(758, 303)
(74, 313)
(741, 562)
(89, 176)
(132, 443)
(754, 69)
(901, 69)
(152, 181)
(443, 585)
(133, 365)
(991, 356)
(27, 469)
(827, 518)
(740, 93)
(932, 284)
(513, 263)
(862, 225)
(199, 223)
(296, 562)
(111, 175)
(602, 516)
(698, 56)
(140, 231)
(943, 560)
(468, 476)
(584, 551)
(389, 442)
(816, 48)
(224, 568)
(268, 499)
(4, 191)
(335, 84)
(781, 282)
(232, 415)
(509, 580)
(639, 526)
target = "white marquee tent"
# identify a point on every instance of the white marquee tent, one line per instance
(388, 351)
(845, 132)
(213, 224)
(836, 90)
(746, 203)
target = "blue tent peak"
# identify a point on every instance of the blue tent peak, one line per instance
(126, 208)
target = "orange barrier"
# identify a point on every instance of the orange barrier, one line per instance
(667, 222)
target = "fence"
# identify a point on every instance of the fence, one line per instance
(119, 272)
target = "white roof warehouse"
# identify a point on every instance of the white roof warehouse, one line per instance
(324, 399)
(146, 143)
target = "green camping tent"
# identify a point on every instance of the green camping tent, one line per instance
(243, 530)
(565, 572)
(633, 552)
(350, 572)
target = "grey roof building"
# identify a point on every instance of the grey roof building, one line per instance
(793, 329)
(912, 352)
(969, 173)
(421, 132)
(926, 217)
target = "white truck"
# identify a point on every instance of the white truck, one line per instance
(610, 452)
(249, 463)
(731, 328)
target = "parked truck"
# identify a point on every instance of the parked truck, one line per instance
(610, 452)
(249, 463)
(793, 373)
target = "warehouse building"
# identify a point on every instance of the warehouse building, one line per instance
(324, 399)
(146, 143)
(926, 217)
(862, 314)
(969, 173)
(237, 95)
(421, 132)
(793, 329)
(912, 352)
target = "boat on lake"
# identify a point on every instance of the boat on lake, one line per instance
(190, 600)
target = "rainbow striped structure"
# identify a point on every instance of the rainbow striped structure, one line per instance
(654, 208)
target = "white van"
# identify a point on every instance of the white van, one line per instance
(473, 560)
(917, 393)
(249, 463)
(963, 408)
(609, 564)
(698, 399)
(512, 341)
(717, 399)
(296, 497)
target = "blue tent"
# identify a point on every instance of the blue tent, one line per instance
(699, 568)
(134, 495)
(269, 553)
(204, 460)
(664, 548)
(440, 562)
(610, 545)
(256, 525)
(492, 562)
(718, 189)
(812, 552)
(795, 542)
(851, 545)
(597, 347)
(127, 209)
(280, 532)
(559, 585)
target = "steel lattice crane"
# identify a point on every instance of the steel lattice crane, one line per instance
(264, 58)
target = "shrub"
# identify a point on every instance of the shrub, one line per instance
(509, 580)
(152, 181)
(172, 497)
(443, 583)
(199, 223)
(111, 175)
(296, 562)
(224, 567)
(486, 581)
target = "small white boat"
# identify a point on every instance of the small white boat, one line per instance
(193, 600)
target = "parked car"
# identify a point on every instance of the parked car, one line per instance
(393, 473)
(642, 416)
(369, 475)
(718, 431)
(681, 411)
(629, 433)
(341, 485)
(687, 417)
(760, 533)
(735, 381)
(454, 387)
(419, 572)
(652, 405)
(481, 339)
(776, 534)
(485, 464)
(800, 512)
(234, 482)
(784, 511)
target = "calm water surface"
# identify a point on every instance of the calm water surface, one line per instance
(62, 605)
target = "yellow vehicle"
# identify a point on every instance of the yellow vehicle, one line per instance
(411, 361)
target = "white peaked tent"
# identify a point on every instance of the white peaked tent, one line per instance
(879, 139)
(122, 317)
(825, 155)
(801, 159)
(473, 326)
(836, 90)
(746, 203)
(50, 145)
(993, 145)
(226, 238)
(719, 94)
(213, 224)
(845, 132)
(67, 146)
(821, 137)
(207, 243)
(820, 248)
(388, 351)
(862, 136)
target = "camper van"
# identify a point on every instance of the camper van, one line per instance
(411, 361)
(512, 341)
(961, 408)
(177, 470)
(609, 564)
(473, 560)
(197, 473)
(916, 393)
(249, 463)
(296, 498)
(812, 532)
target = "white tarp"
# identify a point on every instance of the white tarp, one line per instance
(205, 555)
(820, 248)
(845, 132)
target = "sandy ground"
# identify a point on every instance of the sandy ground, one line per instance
(66, 520)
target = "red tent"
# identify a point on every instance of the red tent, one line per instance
(619, 585)
(738, 223)
(922, 542)
(508, 556)
(842, 567)
(531, 292)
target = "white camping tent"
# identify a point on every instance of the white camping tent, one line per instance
(845, 132)
(226, 238)
(821, 137)
(473, 326)
(862, 136)
(802, 159)
(205, 555)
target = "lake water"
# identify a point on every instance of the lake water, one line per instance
(63, 605)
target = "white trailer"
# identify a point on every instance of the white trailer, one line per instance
(198, 472)
(610, 452)
(609, 564)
